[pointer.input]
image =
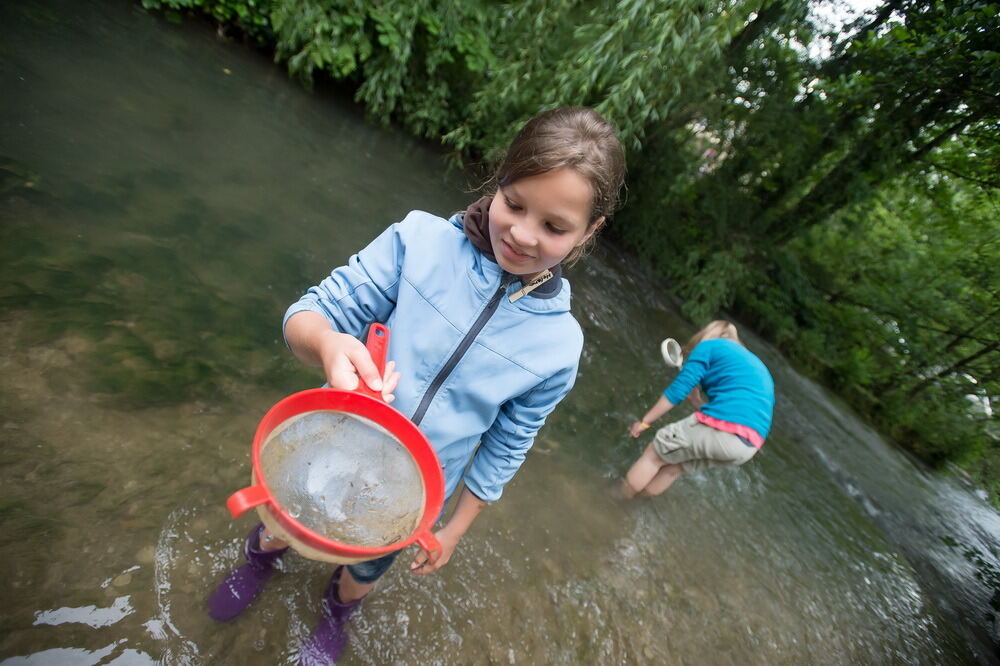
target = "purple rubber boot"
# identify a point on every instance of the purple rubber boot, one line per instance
(243, 584)
(329, 638)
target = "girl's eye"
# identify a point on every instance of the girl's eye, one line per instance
(510, 204)
(559, 231)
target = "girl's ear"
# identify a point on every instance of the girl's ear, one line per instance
(590, 232)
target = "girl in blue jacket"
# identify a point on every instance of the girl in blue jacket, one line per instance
(482, 335)
(728, 428)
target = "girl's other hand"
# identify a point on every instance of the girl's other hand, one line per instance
(638, 428)
(390, 379)
(423, 564)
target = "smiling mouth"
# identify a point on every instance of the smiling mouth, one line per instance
(515, 252)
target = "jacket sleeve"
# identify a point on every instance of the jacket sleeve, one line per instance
(506, 443)
(695, 367)
(363, 291)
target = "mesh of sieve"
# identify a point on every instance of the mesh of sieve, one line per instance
(344, 477)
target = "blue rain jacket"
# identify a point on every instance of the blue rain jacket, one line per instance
(478, 397)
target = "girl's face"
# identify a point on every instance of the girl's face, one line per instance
(536, 221)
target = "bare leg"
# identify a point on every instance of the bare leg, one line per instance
(642, 472)
(623, 491)
(351, 589)
(663, 479)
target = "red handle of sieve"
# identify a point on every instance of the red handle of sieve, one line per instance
(247, 498)
(378, 346)
(431, 545)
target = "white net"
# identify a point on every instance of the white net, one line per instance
(344, 477)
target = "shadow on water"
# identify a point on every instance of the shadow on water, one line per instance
(165, 195)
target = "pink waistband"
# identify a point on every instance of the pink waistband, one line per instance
(746, 433)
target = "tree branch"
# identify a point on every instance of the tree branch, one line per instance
(971, 179)
(897, 317)
(952, 369)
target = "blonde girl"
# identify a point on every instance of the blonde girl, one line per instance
(733, 393)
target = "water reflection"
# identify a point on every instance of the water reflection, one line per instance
(81, 657)
(157, 215)
(89, 615)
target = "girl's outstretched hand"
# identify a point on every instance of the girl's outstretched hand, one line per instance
(638, 428)
(422, 563)
(345, 359)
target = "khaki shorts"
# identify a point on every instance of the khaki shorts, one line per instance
(691, 443)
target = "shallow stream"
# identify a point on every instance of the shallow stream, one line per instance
(165, 194)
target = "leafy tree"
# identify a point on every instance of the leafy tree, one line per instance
(790, 140)
(635, 61)
(915, 273)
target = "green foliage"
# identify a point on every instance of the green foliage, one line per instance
(412, 60)
(250, 16)
(634, 61)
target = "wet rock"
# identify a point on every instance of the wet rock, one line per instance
(122, 580)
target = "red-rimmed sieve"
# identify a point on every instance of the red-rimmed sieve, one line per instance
(342, 476)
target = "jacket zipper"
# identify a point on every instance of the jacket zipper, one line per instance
(463, 347)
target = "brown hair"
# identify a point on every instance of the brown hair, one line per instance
(720, 328)
(575, 137)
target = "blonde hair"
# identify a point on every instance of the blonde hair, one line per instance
(575, 137)
(720, 328)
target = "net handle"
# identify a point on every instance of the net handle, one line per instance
(430, 545)
(377, 345)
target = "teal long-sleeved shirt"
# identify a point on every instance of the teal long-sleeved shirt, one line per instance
(736, 384)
